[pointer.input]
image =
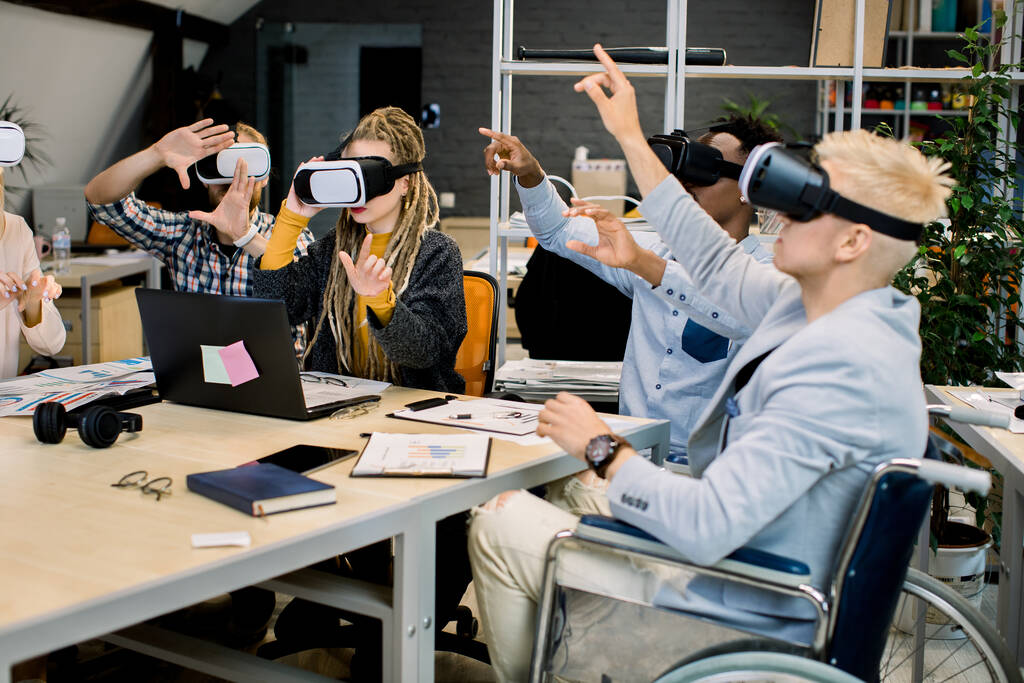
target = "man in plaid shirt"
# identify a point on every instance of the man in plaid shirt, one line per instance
(198, 256)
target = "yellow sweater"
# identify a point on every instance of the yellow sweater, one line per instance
(280, 247)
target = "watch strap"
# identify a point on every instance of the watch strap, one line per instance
(247, 237)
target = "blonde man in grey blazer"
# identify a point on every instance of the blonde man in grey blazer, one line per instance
(780, 464)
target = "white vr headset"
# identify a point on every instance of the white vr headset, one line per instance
(348, 182)
(12, 143)
(219, 168)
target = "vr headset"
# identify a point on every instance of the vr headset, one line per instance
(12, 143)
(776, 178)
(351, 181)
(692, 162)
(219, 168)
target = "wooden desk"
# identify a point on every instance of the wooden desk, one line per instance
(1005, 450)
(79, 559)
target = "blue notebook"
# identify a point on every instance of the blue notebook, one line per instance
(261, 489)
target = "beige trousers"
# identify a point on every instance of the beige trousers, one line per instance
(507, 547)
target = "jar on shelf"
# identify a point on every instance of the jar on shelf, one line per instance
(919, 101)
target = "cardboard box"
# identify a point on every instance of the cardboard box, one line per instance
(601, 177)
(832, 37)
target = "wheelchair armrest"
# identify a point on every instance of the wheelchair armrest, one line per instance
(747, 562)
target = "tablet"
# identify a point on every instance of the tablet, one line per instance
(305, 458)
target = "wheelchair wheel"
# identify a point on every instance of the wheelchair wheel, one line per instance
(958, 643)
(777, 667)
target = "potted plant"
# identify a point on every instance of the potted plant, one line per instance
(37, 158)
(968, 270)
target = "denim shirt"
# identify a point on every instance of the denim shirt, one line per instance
(679, 344)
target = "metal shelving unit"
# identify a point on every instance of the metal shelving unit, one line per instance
(675, 74)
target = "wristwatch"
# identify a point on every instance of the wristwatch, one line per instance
(247, 237)
(601, 451)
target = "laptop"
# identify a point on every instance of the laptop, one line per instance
(178, 324)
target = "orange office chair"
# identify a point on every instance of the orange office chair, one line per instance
(475, 359)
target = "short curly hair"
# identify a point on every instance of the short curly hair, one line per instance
(750, 131)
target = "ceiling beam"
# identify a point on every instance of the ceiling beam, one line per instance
(137, 14)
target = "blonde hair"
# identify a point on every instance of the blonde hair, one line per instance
(892, 177)
(3, 219)
(418, 213)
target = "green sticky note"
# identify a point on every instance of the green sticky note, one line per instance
(214, 371)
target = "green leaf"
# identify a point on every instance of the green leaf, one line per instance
(967, 201)
(977, 336)
(959, 251)
(958, 56)
(977, 69)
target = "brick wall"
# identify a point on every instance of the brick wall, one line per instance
(547, 114)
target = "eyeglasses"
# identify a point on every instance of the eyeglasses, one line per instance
(159, 486)
(355, 410)
(318, 379)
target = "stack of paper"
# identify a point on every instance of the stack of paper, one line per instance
(74, 386)
(539, 380)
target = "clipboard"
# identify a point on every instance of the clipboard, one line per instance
(445, 456)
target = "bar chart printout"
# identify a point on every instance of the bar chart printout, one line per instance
(453, 455)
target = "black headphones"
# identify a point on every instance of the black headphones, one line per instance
(99, 426)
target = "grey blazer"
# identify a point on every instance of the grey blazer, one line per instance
(428, 325)
(784, 471)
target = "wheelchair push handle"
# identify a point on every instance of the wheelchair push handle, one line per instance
(950, 476)
(971, 415)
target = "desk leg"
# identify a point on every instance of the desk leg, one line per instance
(414, 603)
(1011, 564)
(86, 307)
(153, 275)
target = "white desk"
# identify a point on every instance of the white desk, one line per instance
(79, 559)
(1005, 451)
(85, 277)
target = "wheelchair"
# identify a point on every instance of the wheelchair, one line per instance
(872, 622)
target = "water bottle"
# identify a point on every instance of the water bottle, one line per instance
(61, 248)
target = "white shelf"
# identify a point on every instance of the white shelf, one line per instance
(901, 112)
(928, 35)
(559, 68)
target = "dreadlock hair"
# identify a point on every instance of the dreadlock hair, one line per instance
(418, 213)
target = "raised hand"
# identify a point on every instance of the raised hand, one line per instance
(618, 112)
(615, 245)
(507, 153)
(295, 204)
(369, 275)
(570, 422)
(183, 146)
(38, 288)
(231, 216)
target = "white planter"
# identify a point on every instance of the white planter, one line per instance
(962, 568)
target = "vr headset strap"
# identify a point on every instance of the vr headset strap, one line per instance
(729, 169)
(396, 172)
(827, 200)
(882, 222)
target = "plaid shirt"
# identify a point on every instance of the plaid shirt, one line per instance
(189, 249)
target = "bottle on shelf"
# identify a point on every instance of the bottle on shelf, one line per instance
(919, 102)
(935, 99)
(61, 247)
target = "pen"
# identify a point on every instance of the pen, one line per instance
(365, 435)
(461, 416)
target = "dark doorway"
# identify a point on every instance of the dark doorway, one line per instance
(390, 76)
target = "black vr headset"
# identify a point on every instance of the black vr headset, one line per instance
(350, 181)
(219, 168)
(12, 143)
(692, 162)
(776, 178)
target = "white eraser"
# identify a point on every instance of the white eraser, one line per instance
(222, 538)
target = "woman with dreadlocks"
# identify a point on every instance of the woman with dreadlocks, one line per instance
(384, 292)
(383, 289)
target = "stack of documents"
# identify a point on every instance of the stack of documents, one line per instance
(539, 380)
(75, 386)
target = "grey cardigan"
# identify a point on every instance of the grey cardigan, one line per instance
(424, 333)
(835, 398)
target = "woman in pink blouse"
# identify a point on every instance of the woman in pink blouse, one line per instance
(26, 295)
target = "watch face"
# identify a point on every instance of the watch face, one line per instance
(599, 448)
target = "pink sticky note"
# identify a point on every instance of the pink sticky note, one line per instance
(238, 363)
